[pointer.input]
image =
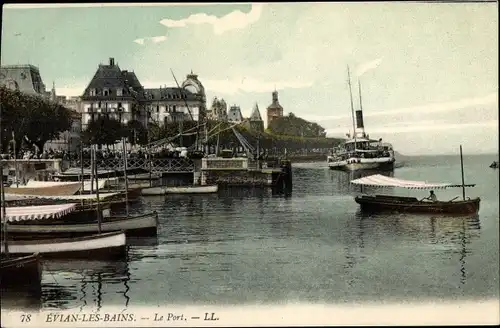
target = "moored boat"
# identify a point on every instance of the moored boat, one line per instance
(20, 270)
(145, 224)
(383, 203)
(65, 189)
(164, 190)
(100, 246)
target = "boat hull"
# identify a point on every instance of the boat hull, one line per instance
(142, 225)
(363, 164)
(379, 203)
(162, 190)
(57, 190)
(103, 246)
(21, 271)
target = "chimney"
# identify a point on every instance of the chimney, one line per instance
(111, 61)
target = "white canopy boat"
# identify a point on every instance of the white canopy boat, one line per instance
(101, 245)
(390, 203)
(145, 224)
(164, 190)
(87, 184)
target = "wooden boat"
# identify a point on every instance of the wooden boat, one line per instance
(111, 183)
(54, 190)
(145, 224)
(382, 203)
(163, 190)
(104, 245)
(96, 246)
(20, 270)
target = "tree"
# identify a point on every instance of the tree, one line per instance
(46, 123)
(292, 125)
(135, 133)
(103, 131)
(31, 118)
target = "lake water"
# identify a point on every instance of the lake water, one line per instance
(248, 246)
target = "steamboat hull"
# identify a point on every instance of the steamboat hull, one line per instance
(377, 166)
(374, 204)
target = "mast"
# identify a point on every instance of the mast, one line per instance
(4, 214)
(15, 159)
(352, 106)
(462, 169)
(92, 160)
(125, 174)
(97, 190)
(148, 150)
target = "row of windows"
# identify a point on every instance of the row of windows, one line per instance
(108, 92)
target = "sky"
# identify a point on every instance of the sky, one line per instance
(428, 72)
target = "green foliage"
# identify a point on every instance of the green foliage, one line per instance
(135, 133)
(31, 118)
(292, 125)
(103, 131)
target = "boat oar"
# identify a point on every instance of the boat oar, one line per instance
(453, 199)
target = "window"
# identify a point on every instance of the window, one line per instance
(99, 104)
(157, 108)
(120, 105)
(92, 92)
(174, 108)
(106, 92)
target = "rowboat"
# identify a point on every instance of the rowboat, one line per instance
(87, 184)
(164, 190)
(20, 270)
(382, 203)
(103, 245)
(145, 224)
(52, 190)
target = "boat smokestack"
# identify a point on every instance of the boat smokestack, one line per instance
(359, 119)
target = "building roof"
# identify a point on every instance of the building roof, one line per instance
(234, 113)
(25, 78)
(112, 77)
(154, 94)
(255, 114)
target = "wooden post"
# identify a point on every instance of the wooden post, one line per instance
(92, 163)
(97, 190)
(15, 158)
(4, 214)
(462, 169)
(125, 175)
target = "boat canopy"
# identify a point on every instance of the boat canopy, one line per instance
(23, 213)
(378, 180)
(102, 196)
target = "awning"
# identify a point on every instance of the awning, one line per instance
(102, 196)
(378, 180)
(23, 213)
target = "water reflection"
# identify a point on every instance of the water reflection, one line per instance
(444, 234)
(67, 283)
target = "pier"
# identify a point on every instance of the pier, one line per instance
(236, 171)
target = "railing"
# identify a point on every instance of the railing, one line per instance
(157, 165)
